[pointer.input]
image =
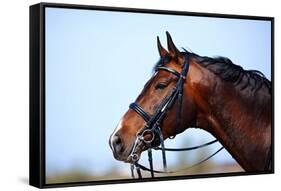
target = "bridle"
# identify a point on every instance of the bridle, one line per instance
(152, 128)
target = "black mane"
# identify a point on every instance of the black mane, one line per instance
(228, 71)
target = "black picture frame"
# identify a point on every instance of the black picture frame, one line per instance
(37, 92)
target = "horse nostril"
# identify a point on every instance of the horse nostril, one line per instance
(117, 144)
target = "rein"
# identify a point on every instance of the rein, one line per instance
(153, 128)
(187, 168)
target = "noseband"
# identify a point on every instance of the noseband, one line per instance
(151, 133)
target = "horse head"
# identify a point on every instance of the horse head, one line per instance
(152, 99)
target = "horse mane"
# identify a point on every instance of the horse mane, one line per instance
(228, 71)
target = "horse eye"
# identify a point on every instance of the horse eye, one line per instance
(160, 86)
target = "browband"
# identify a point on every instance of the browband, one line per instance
(169, 70)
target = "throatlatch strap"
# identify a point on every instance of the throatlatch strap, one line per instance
(180, 90)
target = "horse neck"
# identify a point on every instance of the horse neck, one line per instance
(242, 126)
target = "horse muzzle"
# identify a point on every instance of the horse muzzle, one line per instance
(126, 153)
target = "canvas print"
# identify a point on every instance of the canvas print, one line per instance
(134, 96)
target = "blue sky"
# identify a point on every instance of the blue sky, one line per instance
(97, 63)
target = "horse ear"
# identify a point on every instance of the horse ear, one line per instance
(174, 52)
(162, 51)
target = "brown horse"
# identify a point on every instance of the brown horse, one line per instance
(231, 103)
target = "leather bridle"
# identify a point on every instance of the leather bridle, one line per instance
(151, 135)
